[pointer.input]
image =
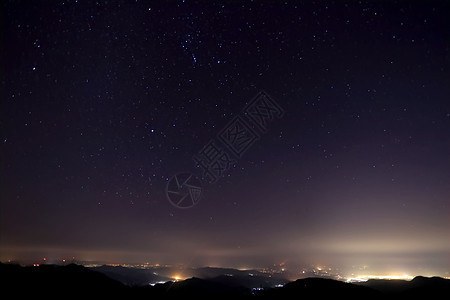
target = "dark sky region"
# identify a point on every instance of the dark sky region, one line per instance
(103, 102)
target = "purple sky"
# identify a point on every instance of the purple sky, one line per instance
(102, 103)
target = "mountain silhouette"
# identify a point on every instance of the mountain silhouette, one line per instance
(420, 286)
(131, 276)
(199, 288)
(56, 282)
(322, 288)
(228, 276)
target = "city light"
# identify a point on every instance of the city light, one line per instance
(363, 278)
(177, 278)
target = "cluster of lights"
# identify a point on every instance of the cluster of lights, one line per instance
(363, 278)
(177, 278)
(317, 269)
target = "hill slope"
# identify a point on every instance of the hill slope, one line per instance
(73, 280)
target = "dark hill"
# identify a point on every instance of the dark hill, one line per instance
(131, 276)
(202, 287)
(57, 281)
(227, 276)
(428, 287)
(322, 288)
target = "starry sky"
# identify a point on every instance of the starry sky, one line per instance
(104, 102)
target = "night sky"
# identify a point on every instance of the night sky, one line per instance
(104, 102)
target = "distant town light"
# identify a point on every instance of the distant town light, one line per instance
(363, 278)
